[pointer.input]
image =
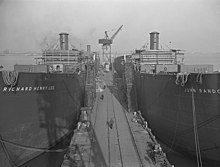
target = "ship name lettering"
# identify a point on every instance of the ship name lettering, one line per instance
(27, 88)
(190, 90)
(203, 91)
(210, 91)
(11, 89)
(213, 91)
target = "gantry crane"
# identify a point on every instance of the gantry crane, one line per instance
(106, 45)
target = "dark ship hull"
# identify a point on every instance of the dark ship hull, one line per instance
(38, 113)
(180, 102)
(168, 107)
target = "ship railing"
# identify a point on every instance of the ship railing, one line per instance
(159, 155)
(73, 157)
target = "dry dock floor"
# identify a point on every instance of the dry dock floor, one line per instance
(111, 139)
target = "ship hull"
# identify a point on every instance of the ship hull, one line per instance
(40, 111)
(168, 108)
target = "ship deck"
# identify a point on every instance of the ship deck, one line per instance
(113, 137)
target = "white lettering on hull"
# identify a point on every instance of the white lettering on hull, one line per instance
(203, 91)
(28, 88)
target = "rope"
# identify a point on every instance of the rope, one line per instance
(185, 79)
(199, 78)
(10, 77)
(178, 78)
(198, 152)
(181, 79)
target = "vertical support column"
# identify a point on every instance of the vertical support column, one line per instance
(90, 85)
(110, 58)
(129, 84)
(130, 88)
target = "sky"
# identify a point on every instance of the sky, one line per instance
(190, 25)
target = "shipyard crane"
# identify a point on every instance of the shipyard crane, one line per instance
(106, 45)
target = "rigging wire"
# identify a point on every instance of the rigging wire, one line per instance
(29, 148)
(12, 163)
(168, 47)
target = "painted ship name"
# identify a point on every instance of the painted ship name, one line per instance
(203, 91)
(28, 88)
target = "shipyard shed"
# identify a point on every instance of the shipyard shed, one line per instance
(198, 68)
(166, 68)
(146, 68)
(42, 68)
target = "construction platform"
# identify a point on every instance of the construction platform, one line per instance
(109, 136)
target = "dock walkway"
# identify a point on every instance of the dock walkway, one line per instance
(111, 139)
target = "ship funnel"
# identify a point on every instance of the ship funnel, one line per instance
(154, 40)
(63, 41)
(88, 48)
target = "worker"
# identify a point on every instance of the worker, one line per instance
(85, 116)
(79, 125)
(157, 149)
(102, 97)
(134, 119)
(111, 122)
(145, 125)
(84, 120)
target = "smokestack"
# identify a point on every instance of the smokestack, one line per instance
(154, 40)
(88, 48)
(63, 41)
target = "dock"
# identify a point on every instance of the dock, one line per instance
(109, 136)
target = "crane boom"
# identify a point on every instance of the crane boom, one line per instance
(106, 47)
(108, 41)
(113, 36)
